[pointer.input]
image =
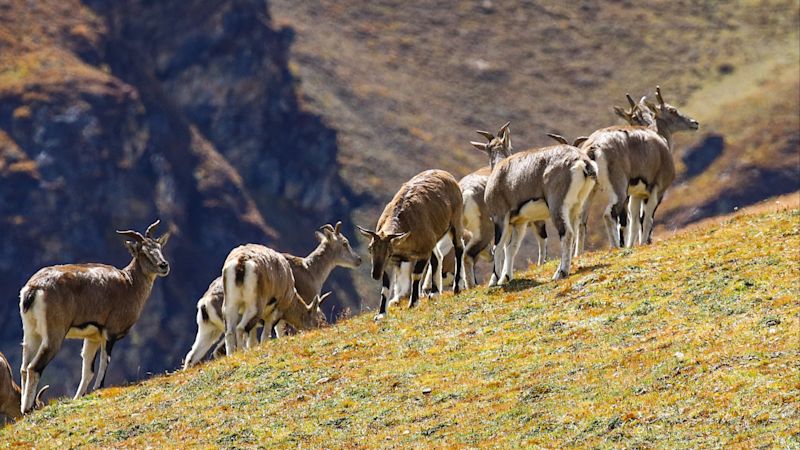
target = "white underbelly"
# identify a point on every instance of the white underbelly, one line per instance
(472, 216)
(89, 331)
(638, 190)
(532, 211)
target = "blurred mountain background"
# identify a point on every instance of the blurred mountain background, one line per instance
(250, 121)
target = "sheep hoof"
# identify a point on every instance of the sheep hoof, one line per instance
(560, 274)
(379, 317)
(493, 281)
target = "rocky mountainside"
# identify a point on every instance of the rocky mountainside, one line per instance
(113, 114)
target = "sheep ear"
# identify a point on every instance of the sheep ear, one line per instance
(152, 228)
(486, 134)
(133, 248)
(162, 241)
(480, 145)
(504, 128)
(558, 138)
(39, 394)
(320, 237)
(396, 238)
(620, 112)
(651, 106)
(367, 233)
(506, 138)
(579, 140)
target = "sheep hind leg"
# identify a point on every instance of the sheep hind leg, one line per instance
(502, 234)
(565, 235)
(458, 244)
(634, 211)
(51, 344)
(511, 250)
(88, 354)
(650, 208)
(30, 346)
(540, 231)
(207, 335)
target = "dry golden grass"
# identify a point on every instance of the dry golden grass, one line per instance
(691, 342)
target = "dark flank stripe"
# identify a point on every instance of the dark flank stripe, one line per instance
(27, 302)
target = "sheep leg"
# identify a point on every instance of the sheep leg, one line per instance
(105, 360)
(470, 257)
(634, 211)
(386, 290)
(565, 234)
(88, 354)
(502, 234)
(580, 238)
(244, 326)
(50, 346)
(434, 272)
(541, 239)
(400, 279)
(252, 337)
(280, 328)
(416, 275)
(30, 346)
(458, 243)
(441, 250)
(650, 213)
(207, 335)
(512, 248)
(622, 219)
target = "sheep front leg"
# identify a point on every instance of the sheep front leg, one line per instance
(416, 275)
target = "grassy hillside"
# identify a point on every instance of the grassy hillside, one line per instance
(691, 342)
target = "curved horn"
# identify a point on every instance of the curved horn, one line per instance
(327, 227)
(367, 233)
(134, 235)
(39, 394)
(504, 128)
(630, 100)
(338, 228)
(324, 296)
(558, 138)
(658, 95)
(486, 134)
(149, 232)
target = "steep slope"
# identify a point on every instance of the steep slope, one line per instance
(100, 129)
(691, 342)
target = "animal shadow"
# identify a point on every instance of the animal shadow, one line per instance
(519, 284)
(591, 268)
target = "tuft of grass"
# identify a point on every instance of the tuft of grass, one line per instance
(690, 342)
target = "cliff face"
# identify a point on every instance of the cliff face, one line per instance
(114, 115)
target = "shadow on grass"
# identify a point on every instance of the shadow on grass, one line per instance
(523, 283)
(519, 285)
(590, 268)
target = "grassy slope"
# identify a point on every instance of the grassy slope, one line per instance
(691, 342)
